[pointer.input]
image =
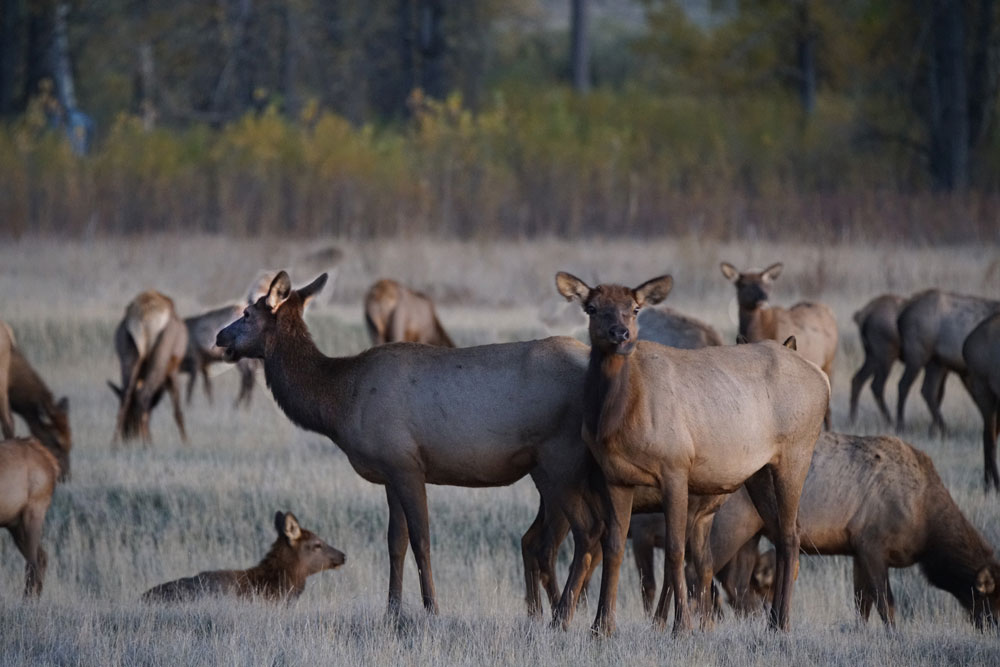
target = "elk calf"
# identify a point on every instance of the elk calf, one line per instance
(295, 555)
(394, 313)
(151, 341)
(28, 474)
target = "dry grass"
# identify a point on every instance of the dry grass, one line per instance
(134, 517)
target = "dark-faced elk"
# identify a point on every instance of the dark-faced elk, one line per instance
(281, 576)
(151, 342)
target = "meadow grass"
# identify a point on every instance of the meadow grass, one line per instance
(134, 516)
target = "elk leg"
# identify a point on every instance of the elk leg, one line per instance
(175, 400)
(413, 498)
(584, 542)
(988, 404)
(6, 419)
(863, 594)
(858, 382)
(28, 537)
(398, 538)
(877, 572)
(246, 382)
(539, 548)
(618, 513)
(932, 390)
(675, 510)
(905, 382)
(192, 378)
(878, 390)
(595, 559)
(207, 382)
(644, 554)
(530, 547)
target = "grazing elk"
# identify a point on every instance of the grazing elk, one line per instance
(281, 576)
(981, 352)
(880, 500)
(812, 323)
(151, 342)
(6, 346)
(202, 352)
(47, 418)
(28, 474)
(933, 325)
(672, 419)
(395, 313)
(880, 339)
(408, 415)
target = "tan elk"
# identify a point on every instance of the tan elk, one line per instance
(408, 415)
(933, 325)
(394, 313)
(202, 352)
(981, 352)
(47, 418)
(672, 419)
(812, 323)
(880, 500)
(151, 342)
(281, 576)
(6, 346)
(28, 474)
(876, 322)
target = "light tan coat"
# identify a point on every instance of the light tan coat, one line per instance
(396, 314)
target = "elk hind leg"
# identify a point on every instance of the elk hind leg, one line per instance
(412, 494)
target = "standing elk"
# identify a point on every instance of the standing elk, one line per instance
(667, 326)
(880, 500)
(151, 342)
(47, 418)
(28, 474)
(6, 346)
(981, 352)
(408, 415)
(933, 325)
(395, 313)
(202, 352)
(281, 576)
(812, 323)
(880, 339)
(671, 419)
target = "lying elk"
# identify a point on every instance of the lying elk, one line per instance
(202, 352)
(395, 313)
(6, 346)
(880, 339)
(409, 415)
(880, 500)
(981, 352)
(933, 325)
(812, 323)
(151, 342)
(28, 474)
(672, 419)
(295, 555)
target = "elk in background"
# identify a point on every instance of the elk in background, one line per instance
(6, 345)
(151, 342)
(812, 323)
(981, 352)
(202, 352)
(394, 313)
(933, 326)
(880, 339)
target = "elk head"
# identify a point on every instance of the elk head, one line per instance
(752, 288)
(312, 554)
(52, 430)
(612, 309)
(253, 335)
(986, 597)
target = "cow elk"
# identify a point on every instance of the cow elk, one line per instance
(203, 353)
(933, 325)
(812, 323)
(981, 352)
(672, 419)
(281, 576)
(880, 500)
(151, 342)
(880, 339)
(667, 326)
(394, 313)
(28, 475)
(408, 415)
(47, 418)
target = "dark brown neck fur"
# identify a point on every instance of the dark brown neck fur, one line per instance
(277, 576)
(606, 393)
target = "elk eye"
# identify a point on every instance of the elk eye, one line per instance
(589, 309)
(635, 311)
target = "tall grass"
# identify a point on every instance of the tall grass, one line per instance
(134, 516)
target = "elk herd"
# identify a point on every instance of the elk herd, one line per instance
(656, 431)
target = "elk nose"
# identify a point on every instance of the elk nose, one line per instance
(618, 333)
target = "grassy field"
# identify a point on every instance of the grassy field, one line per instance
(132, 517)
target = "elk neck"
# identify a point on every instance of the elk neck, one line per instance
(277, 575)
(607, 393)
(755, 323)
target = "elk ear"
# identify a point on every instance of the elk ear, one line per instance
(313, 288)
(572, 287)
(62, 405)
(729, 271)
(985, 583)
(772, 272)
(790, 343)
(115, 388)
(653, 291)
(290, 528)
(741, 339)
(278, 292)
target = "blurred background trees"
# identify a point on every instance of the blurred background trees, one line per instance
(493, 116)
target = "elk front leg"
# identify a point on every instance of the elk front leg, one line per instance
(617, 517)
(413, 498)
(675, 510)
(398, 539)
